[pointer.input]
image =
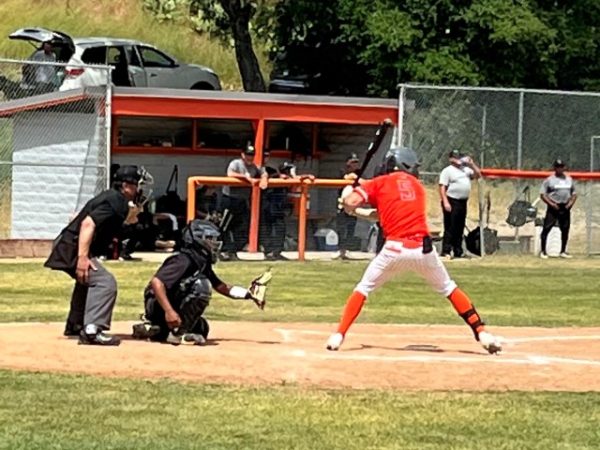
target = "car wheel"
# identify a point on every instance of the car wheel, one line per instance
(202, 87)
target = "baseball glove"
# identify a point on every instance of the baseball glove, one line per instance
(258, 288)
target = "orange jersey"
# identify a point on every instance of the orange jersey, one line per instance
(401, 202)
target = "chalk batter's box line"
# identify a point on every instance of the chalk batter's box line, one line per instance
(287, 335)
(536, 360)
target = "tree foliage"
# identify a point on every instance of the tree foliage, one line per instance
(369, 46)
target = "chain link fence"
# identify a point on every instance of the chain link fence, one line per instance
(508, 129)
(54, 145)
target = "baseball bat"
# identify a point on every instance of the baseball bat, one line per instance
(373, 147)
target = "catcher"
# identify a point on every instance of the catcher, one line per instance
(180, 291)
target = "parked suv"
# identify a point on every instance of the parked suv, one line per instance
(135, 63)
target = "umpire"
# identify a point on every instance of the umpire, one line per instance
(455, 187)
(558, 192)
(76, 250)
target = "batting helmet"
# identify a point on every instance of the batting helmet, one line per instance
(401, 158)
(202, 237)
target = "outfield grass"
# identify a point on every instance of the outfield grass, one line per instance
(507, 291)
(74, 412)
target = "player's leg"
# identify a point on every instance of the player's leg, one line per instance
(99, 305)
(190, 309)
(383, 267)
(447, 238)
(458, 229)
(564, 222)
(433, 270)
(74, 323)
(549, 222)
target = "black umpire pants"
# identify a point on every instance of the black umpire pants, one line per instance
(562, 216)
(454, 226)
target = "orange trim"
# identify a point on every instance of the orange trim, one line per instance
(508, 173)
(176, 150)
(233, 109)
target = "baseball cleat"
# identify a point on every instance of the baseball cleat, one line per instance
(544, 255)
(335, 341)
(186, 339)
(92, 335)
(490, 343)
(565, 255)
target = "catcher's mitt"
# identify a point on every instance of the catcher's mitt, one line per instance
(258, 288)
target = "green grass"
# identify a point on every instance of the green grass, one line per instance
(124, 19)
(74, 412)
(507, 291)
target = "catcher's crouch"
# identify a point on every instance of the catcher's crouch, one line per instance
(180, 291)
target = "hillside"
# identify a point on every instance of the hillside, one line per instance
(123, 18)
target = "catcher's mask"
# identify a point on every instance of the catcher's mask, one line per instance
(138, 176)
(401, 159)
(202, 236)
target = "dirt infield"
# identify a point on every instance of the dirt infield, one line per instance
(373, 356)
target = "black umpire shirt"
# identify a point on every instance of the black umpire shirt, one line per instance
(179, 267)
(108, 210)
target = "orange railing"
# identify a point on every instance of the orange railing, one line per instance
(304, 184)
(510, 173)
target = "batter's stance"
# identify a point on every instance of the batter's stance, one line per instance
(399, 203)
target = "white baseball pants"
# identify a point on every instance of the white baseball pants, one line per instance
(395, 259)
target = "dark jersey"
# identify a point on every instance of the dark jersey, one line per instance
(179, 267)
(108, 210)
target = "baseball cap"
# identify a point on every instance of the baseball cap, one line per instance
(352, 157)
(455, 154)
(127, 174)
(558, 163)
(249, 150)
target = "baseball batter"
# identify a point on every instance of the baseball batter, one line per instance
(399, 202)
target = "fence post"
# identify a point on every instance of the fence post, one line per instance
(108, 125)
(302, 222)
(401, 115)
(254, 219)
(191, 199)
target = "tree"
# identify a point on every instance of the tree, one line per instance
(230, 19)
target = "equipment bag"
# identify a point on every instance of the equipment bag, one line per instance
(522, 211)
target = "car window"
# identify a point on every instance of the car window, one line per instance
(94, 55)
(114, 55)
(153, 58)
(132, 54)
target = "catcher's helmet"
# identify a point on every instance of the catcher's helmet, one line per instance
(202, 236)
(401, 158)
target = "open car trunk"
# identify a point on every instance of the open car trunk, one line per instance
(62, 43)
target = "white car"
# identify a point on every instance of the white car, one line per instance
(135, 63)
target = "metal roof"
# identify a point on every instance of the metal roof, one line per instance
(183, 94)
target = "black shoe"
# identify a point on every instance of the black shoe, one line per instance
(98, 338)
(72, 329)
(145, 330)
